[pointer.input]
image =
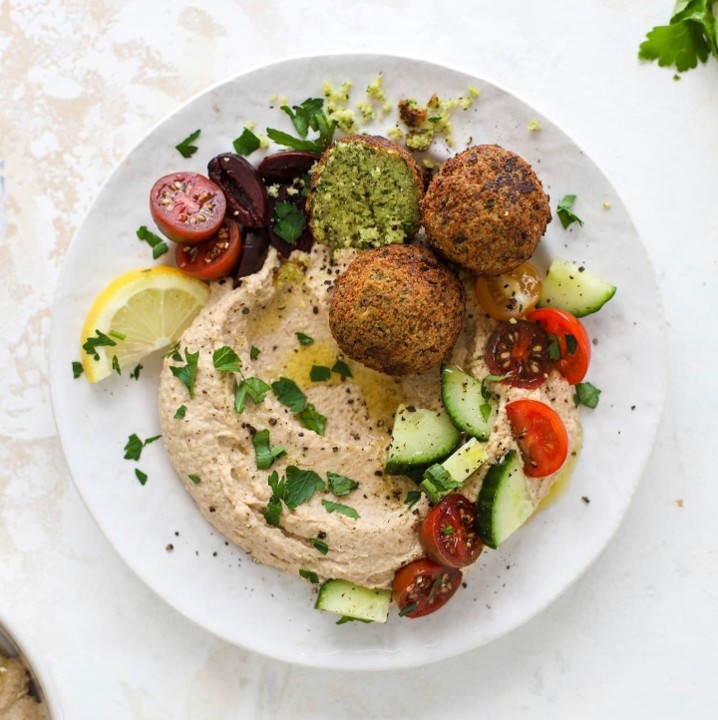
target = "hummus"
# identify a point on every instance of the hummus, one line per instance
(15, 701)
(210, 444)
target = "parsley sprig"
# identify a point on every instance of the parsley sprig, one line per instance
(185, 148)
(305, 117)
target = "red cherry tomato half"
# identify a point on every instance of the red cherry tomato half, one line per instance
(519, 349)
(448, 534)
(541, 436)
(214, 258)
(187, 207)
(574, 344)
(423, 586)
(511, 294)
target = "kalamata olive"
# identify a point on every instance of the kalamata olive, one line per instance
(305, 241)
(243, 189)
(284, 167)
(254, 253)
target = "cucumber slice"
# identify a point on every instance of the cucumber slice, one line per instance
(568, 287)
(462, 398)
(354, 601)
(440, 480)
(504, 503)
(419, 438)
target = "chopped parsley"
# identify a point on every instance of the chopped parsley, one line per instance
(289, 221)
(586, 394)
(246, 143)
(289, 394)
(196, 479)
(158, 245)
(225, 359)
(412, 497)
(265, 454)
(295, 488)
(565, 213)
(437, 482)
(690, 36)
(185, 148)
(488, 395)
(312, 420)
(76, 369)
(341, 509)
(554, 349)
(309, 575)
(341, 484)
(116, 365)
(254, 352)
(135, 374)
(307, 116)
(273, 512)
(341, 368)
(92, 343)
(304, 339)
(319, 373)
(141, 476)
(180, 412)
(187, 373)
(408, 609)
(252, 388)
(134, 445)
(320, 545)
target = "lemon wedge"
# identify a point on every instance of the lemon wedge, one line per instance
(137, 313)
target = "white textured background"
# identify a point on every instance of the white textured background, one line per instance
(82, 82)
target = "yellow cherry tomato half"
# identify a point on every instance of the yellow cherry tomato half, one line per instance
(510, 295)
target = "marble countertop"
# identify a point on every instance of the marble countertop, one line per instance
(83, 82)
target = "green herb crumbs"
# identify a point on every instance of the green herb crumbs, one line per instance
(304, 339)
(134, 445)
(76, 369)
(319, 373)
(309, 575)
(180, 412)
(185, 148)
(158, 245)
(92, 343)
(252, 388)
(265, 454)
(246, 143)
(312, 420)
(289, 221)
(320, 545)
(289, 394)
(187, 373)
(690, 36)
(341, 368)
(412, 497)
(586, 394)
(135, 374)
(554, 350)
(116, 365)
(341, 484)
(564, 212)
(408, 609)
(341, 509)
(142, 477)
(254, 352)
(225, 359)
(196, 479)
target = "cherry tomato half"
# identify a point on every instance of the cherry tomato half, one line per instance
(448, 534)
(511, 294)
(214, 258)
(541, 436)
(519, 349)
(187, 207)
(574, 344)
(423, 586)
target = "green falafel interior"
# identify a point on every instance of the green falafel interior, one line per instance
(365, 193)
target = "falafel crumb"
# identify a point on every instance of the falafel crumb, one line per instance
(607, 204)
(533, 125)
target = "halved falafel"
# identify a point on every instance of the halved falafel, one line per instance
(397, 309)
(485, 210)
(365, 192)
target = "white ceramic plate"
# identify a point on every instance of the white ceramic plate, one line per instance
(216, 584)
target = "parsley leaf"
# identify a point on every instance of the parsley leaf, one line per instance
(690, 36)
(158, 245)
(289, 394)
(134, 445)
(341, 484)
(289, 221)
(341, 509)
(412, 497)
(265, 454)
(135, 374)
(437, 482)
(586, 394)
(274, 507)
(185, 148)
(320, 545)
(92, 343)
(180, 412)
(304, 339)
(196, 479)
(141, 476)
(554, 349)
(319, 373)
(341, 368)
(301, 486)
(225, 359)
(564, 212)
(76, 369)
(252, 387)
(312, 420)
(307, 116)
(246, 143)
(186, 374)
(309, 575)
(254, 352)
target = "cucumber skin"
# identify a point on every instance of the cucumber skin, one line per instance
(345, 598)
(568, 288)
(486, 502)
(450, 377)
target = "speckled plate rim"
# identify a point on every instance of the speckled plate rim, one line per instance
(259, 608)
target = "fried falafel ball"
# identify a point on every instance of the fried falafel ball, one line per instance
(397, 309)
(365, 192)
(485, 210)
